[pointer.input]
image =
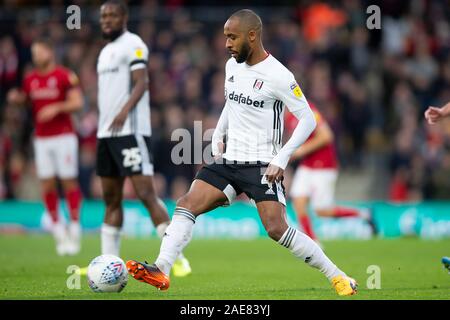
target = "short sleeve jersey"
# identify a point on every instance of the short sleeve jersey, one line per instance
(115, 64)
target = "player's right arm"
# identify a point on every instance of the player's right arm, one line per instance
(218, 146)
(16, 97)
(434, 114)
(323, 135)
(20, 96)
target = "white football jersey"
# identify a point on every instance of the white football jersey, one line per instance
(115, 63)
(255, 100)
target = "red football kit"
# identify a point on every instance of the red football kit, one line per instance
(45, 89)
(323, 158)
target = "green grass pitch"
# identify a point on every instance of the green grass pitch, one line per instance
(232, 269)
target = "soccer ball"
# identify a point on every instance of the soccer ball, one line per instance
(107, 273)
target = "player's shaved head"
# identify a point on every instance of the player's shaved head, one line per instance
(120, 4)
(243, 31)
(248, 20)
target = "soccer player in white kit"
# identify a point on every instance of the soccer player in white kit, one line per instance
(124, 129)
(257, 88)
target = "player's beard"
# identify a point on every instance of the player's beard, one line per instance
(113, 35)
(244, 53)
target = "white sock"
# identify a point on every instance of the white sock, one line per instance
(303, 247)
(110, 239)
(74, 238)
(59, 232)
(160, 230)
(75, 231)
(177, 236)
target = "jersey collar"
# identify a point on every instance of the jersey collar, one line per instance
(263, 60)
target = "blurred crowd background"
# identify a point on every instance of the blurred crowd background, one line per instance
(373, 86)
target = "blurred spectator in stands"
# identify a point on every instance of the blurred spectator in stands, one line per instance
(9, 65)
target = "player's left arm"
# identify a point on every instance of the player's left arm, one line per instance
(290, 94)
(72, 103)
(323, 135)
(138, 58)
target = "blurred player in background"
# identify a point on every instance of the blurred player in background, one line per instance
(315, 178)
(257, 88)
(124, 129)
(434, 115)
(54, 93)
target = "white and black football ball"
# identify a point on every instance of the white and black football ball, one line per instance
(107, 273)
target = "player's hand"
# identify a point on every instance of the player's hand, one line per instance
(48, 113)
(15, 97)
(221, 147)
(119, 121)
(434, 114)
(274, 173)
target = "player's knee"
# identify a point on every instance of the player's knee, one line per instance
(69, 184)
(320, 212)
(301, 208)
(113, 200)
(186, 202)
(192, 203)
(275, 231)
(113, 206)
(323, 212)
(49, 186)
(302, 212)
(146, 194)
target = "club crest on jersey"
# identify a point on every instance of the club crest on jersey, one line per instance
(258, 84)
(295, 88)
(34, 84)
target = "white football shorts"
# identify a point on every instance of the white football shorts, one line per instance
(56, 156)
(316, 184)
